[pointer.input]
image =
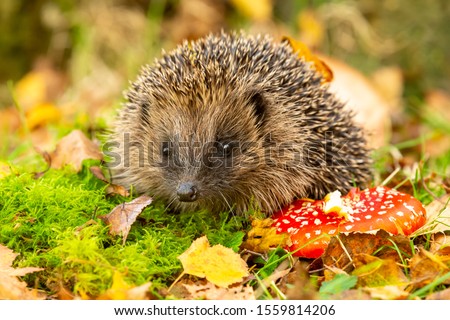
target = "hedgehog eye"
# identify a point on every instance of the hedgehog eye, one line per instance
(225, 149)
(166, 149)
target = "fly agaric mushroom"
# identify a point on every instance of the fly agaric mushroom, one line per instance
(311, 223)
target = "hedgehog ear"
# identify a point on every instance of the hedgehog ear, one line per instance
(259, 105)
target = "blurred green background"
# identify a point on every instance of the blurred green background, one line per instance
(77, 57)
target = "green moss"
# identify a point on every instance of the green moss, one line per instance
(53, 223)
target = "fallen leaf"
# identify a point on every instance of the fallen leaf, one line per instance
(218, 264)
(300, 278)
(31, 89)
(10, 286)
(120, 290)
(206, 290)
(41, 115)
(112, 188)
(311, 29)
(344, 247)
(438, 217)
(440, 295)
(389, 84)
(389, 292)
(426, 267)
(43, 84)
(372, 111)
(376, 272)
(256, 10)
(124, 215)
(263, 237)
(341, 282)
(303, 52)
(73, 149)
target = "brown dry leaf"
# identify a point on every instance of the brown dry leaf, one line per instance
(10, 286)
(112, 188)
(426, 267)
(440, 295)
(120, 290)
(299, 285)
(209, 291)
(73, 149)
(360, 243)
(389, 292)
(303, 52)
(124, 215)
(256, 10)
(372, 111)
(438, 217)
(376, 272)
(41, 115)
(263, 237)
(440, 244)
(218, 264)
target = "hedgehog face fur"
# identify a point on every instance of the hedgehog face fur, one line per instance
(233, 121)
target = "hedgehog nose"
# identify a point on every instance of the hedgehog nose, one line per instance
(187, 192)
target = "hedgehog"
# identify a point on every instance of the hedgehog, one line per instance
(233, 122)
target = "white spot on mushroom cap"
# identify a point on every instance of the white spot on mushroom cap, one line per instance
(409, 207)
(317, 222)
(368, 217)
(308, 235)
(291, 230)
(286, 221)
(332, 231)
(348, 227)
(400, 214)
(304, 223)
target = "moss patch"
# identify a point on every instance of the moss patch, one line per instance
(53, 223)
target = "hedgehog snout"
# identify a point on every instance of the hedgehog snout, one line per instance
(187, 192)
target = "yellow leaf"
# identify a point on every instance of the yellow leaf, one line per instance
(218, 264)
(10, 286)
(257, 10)
(311, 29)
(31, 90)
(303, 52)
(42, 114)
(263, 236)
(120, 290)
(376, 272)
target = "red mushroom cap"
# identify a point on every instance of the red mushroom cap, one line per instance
(370, 210)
